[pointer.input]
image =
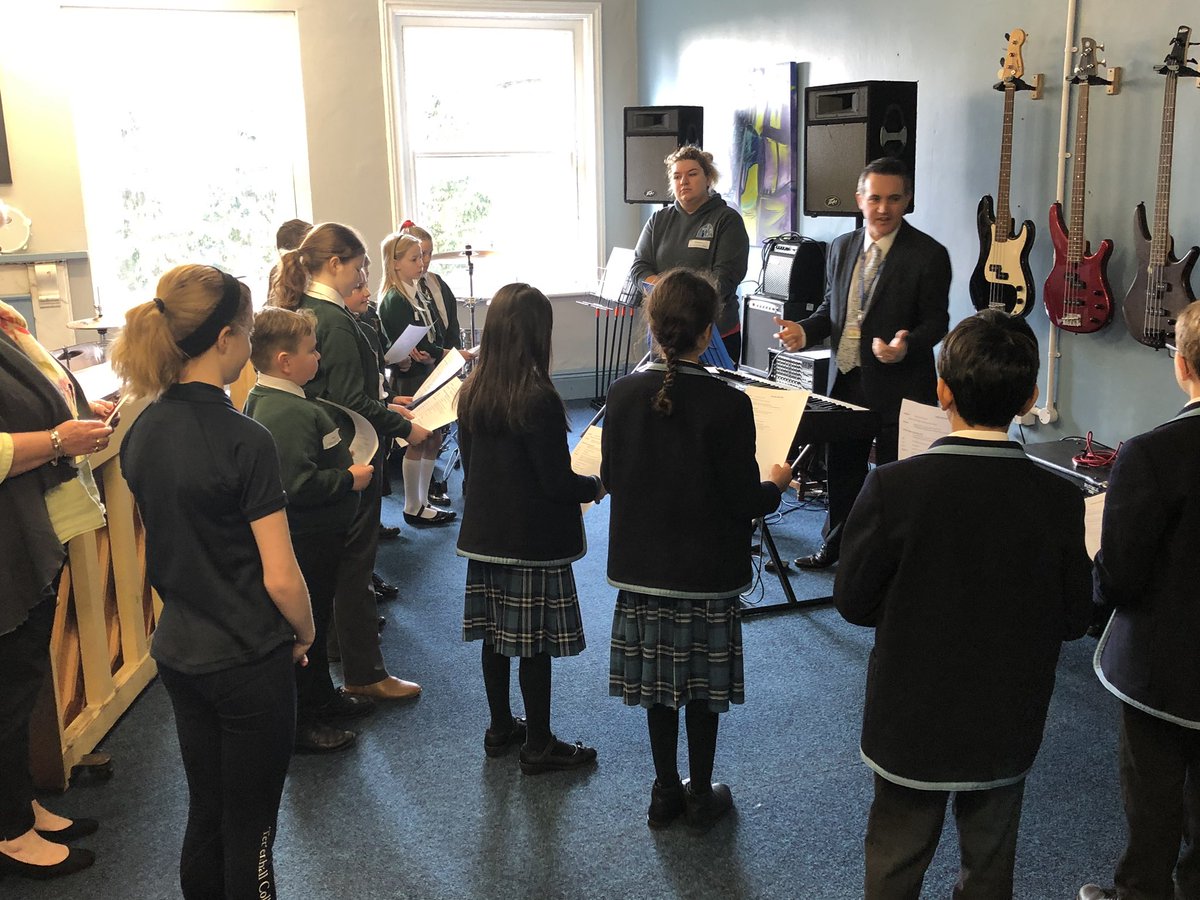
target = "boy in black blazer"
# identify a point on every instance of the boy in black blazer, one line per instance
(969, 562)
(1146, 575)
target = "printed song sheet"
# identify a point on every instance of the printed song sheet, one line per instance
(585, 458)
(409, 338)
(440, 407)
(448, 368)
(920, 426)
(365, 442)
(776, 417)
(1093, 515)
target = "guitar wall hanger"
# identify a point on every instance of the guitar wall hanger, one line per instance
(1020, 84)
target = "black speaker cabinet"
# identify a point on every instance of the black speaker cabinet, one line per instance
(651, 134)
(795, 272)
(848, 125)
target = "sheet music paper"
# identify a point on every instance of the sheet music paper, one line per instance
(449, 367)
(776, 417)
(1093, 515)
(365, 443)
(616, 273)
(439, 408)
(920, 426)
(404, 344)
(585, 458)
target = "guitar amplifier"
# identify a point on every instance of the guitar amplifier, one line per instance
(804, 369)
(758, 331)
(794, 270)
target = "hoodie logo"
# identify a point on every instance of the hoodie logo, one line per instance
(706, 231)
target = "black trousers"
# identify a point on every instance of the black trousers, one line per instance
(236, 729)
(318, 556)
(846, 461)
(1160, 786)
(24, 662)
(904, 826)
(355, 611)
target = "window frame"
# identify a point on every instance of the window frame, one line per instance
(581, 17)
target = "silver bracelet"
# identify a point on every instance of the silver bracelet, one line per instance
(56, 443)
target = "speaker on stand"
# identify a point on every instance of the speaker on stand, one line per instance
(848, 125)
(651, 134)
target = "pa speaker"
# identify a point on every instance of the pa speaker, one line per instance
(651, 134)
(847, 126)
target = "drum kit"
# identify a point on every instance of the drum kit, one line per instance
(469, 338)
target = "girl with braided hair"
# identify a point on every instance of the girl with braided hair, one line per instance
(679, 442)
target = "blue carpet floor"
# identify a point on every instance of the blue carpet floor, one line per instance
(415, 810)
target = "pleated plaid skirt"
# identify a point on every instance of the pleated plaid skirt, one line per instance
(671, 652)
(523, 610)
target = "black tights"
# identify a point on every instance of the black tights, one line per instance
(701, 722)
(534, 675)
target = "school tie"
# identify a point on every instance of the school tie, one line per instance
(860, 293)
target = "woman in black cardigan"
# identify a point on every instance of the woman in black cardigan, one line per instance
(679, 442)
(521, 527)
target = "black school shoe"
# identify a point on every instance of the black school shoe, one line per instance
(704, 809)
(557, 757)
(439, 494)
(439, 517)
(77, 829)
(345, 706)
(666, 804)
(317, 737)
(499, 743)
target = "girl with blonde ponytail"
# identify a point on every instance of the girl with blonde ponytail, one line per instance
(236, 614)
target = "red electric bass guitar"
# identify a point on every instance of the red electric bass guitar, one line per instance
(1077, 294)
(1161, 290)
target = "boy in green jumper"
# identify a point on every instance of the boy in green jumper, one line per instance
(321, 481)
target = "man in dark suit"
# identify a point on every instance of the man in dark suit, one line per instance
(887, 298)
(1146, 574)
(966, 637)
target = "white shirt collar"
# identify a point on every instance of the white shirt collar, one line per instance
(325, 292)
(280, 384)
(979, 434)
(884, 243)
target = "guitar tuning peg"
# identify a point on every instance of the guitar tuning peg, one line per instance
(1007, 36)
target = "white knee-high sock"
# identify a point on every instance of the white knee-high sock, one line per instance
(427, 469)
(415, 490)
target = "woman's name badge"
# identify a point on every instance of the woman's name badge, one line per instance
(699, 244)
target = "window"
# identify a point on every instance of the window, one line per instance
(192, 147)
(495, 138)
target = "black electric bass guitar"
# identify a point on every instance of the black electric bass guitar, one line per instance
(1161, 290)
(1002, 279)
(1077, 294)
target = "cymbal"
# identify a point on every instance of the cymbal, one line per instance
(455, 254)
(97, 323)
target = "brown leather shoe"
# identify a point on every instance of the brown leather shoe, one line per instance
(390, 688)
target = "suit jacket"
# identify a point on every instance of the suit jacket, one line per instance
(1148, 569)
(969, 562)
(912, 292)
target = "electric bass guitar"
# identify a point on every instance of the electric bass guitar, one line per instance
(1161, 290)
(1077, 294)
(1002, 279)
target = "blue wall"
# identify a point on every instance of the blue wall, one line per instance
(1108, 383)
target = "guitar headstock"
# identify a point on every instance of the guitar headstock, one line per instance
(1085, 67)
(1011, 65)
(1176, 61)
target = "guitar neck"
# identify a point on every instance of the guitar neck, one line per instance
(1003, 214)
(1075, 239)
(1160, 244)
